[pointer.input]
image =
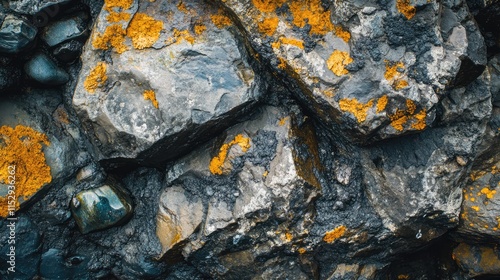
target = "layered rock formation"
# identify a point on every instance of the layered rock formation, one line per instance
(252, 139)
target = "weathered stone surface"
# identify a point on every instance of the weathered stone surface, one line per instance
(64, 30)
(254, 185)
(33, 7)
(68, 52)
(477, 260)
(101, 207)
(16, 34)
(43, 70)
(157, 79)
(56, 264)
(56, 149)
(358, 63)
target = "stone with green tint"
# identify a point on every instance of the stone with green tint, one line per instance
(101, 208)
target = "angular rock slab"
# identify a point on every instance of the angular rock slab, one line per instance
(42, 140)
(373, 70)
(16, 34)
(157, 79)
(253, 185)
(415, 182)
(101, 208)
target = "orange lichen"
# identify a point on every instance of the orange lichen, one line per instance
(337, 62)
(382, 103)
(329, 93)
(220, 20)
(410, 106)
(292, 41)
(217, 162)
(120, 4)
(398, 120)
(182, 7)
(477, 174)
(268, 26)
(113, 36)
(358, 109)
(144, 31)
(288, 237)
(403, 277)
(22, 147)
(150, 95)
(283, 121)
(183, 35)
(302, 251)
(311, 12)
(394, 76)
(406, 9)
(419, 118)
(341, 33)
(334, 234)
(282, 64)
(96, 78)
(265, 173)
(199, 28)
(117, 17)
(475, 208)
(489, 193)
(268, 6)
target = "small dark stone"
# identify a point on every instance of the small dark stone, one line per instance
(16, 34)
(64, 30)
(54, 265)
(101, 207)
(69, 51)
(42, 69)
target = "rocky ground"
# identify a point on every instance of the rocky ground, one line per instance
(249, 139)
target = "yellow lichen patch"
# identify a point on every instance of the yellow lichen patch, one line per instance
(405, 8)
(282, 64)
(96, 78)
(410, 106)
(419, 118)
(477, 174)
(218, 161)
(117, 17)
(268, 6)
(311, 12)
(403, 277)
(144, 31)
(220, 20)
(199, 28)
(283, 121)
(398, 120)
(394, 76)
(334, 234)
(329, 93)
(120, 4)
(292, 41)
(338, 61)
(182, 7)
(183, 35)
(382, 103)
(475, 208)
(150, 95)
(21, 149)
(358, 109)
(302, 251)
(489, 193)
(268, 26)
(113, 36)
(265, 173)
(341, 33)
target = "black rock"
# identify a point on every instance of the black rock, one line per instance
(69, 51)
(42, 69)
(16, 34)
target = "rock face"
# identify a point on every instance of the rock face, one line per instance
(158, 79)
(249, 139)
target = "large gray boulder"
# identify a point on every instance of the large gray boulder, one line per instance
(157, 79)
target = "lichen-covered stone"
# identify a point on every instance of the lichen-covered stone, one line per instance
(43, 70)
(16, 34)
(477, 260)
(101, 207)
(373, 70)
(260, 177)
(157, 79)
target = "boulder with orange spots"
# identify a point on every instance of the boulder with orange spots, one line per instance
(260, 176)
(158, 79)
(330, 52)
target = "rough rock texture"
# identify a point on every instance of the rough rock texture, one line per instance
(157, 79)
(250, 139)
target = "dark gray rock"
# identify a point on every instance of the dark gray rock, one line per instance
(68, 52)
(16, 34)
(35, 7)
(28, 244)
(101, 207)
(64, 30)
(56, 264)
(10, 73)
(43, 70)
